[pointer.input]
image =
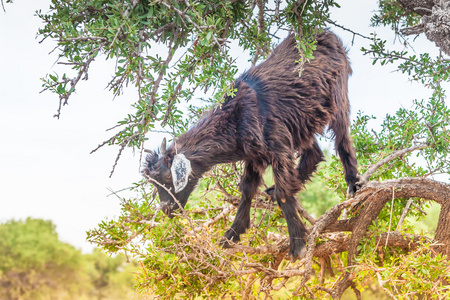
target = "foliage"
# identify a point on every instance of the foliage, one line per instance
(316, 198)
(411, 275)
(194, 37)
(393, 14)
(35, 264)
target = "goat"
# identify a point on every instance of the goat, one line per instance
(273, 114)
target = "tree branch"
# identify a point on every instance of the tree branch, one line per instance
(392, 156)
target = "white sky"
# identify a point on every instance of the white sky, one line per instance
(46, 170)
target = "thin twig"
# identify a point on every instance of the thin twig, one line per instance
(365, 177)
(404, 213)
(349, 30)
(390, 217)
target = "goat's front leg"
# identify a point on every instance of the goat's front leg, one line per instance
(249, 185)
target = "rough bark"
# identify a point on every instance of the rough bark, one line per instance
(435, 21)
(420, 7)
(375, 195)
(443, 229)
(437, 27)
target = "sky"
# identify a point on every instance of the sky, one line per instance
(46, 169)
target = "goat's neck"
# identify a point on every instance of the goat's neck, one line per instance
(206, 150)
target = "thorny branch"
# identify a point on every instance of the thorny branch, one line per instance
(372, 169)
(372, 197)
(349, 30)
(64, 97)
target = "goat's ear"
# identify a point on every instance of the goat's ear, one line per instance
(181, 169)
(163, 147)
(150, 161)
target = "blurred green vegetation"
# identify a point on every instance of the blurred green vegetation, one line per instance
(426, 223)
(35, 264)
(317, 197)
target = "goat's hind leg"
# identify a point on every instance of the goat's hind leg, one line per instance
(287, 184)
(311, 157)
(344, 147)
(250, 182)
(296, 228)
(307, 165)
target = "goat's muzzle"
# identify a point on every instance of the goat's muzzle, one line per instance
(167, 209)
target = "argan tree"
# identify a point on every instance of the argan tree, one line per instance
(174, 51)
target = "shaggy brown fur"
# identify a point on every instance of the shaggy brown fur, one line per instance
(274, 114)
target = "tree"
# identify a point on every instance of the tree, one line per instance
(356, 241)
(111, 277)
(35, 264)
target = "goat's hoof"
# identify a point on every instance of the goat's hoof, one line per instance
(297, 249)
(229, 239)
(270, 191)
(353, 188)
(225, 243)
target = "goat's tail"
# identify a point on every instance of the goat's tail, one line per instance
(341, 128)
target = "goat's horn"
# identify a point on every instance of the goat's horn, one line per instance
(163, 146)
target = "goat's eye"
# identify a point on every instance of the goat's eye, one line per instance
(170, 176)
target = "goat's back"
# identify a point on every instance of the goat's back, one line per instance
(291, 109)
(275, 112)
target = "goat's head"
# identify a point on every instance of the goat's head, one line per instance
(172, 176)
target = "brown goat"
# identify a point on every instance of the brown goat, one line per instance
(273, 115)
